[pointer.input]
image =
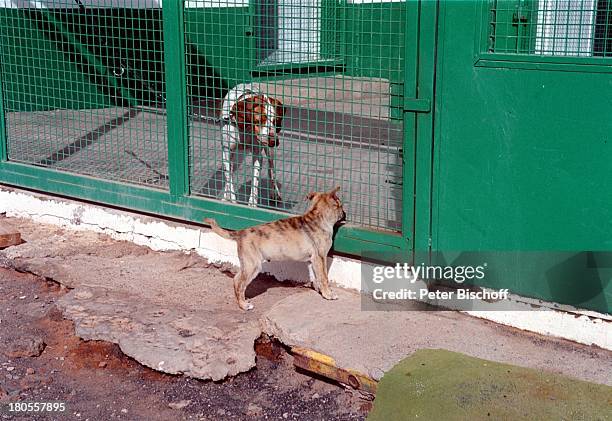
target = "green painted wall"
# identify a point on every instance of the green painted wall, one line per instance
(36, 75)
(522, 163)
(220, 36)
(372, 34)
(55, 55)
(373, 45)
(66, 58)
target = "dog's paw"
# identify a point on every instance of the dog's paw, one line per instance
(275, 198)
(228, 196)
(330, 295)
(313, 285)
(246, 306)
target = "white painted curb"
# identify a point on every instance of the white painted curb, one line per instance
(577, 325)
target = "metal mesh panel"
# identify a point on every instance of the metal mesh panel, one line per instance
(83, 86)
(580, 28)
(336, 68)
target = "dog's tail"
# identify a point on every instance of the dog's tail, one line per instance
(218, 230)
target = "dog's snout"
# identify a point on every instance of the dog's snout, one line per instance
(273, 141)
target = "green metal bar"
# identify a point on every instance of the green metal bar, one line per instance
(91, 59)
(3, 133)
(441, 52)
(251, 30)
(409, 141)
(287, 67)
(374, 239)
(425, 130)
(176, 97)
(342, 28)
(563, 64)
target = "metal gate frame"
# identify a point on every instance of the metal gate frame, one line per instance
(420, 34)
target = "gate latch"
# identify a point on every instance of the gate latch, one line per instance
(521, 14)
(417, 105)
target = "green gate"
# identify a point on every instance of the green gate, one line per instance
(522, 160)
(120, 105)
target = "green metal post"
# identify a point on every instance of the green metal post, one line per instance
(425, 129)
(176, 97)
(408, 147)
(3, 134)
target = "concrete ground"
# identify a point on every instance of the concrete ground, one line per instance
(336, 131)
(176, 313)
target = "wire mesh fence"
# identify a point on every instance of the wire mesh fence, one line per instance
(576, 28)
(337, 71)
(304, 94)
(79, 86)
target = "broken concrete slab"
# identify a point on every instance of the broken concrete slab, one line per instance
(206, 344)
(9, 236)
(371, 342)
(173, 312)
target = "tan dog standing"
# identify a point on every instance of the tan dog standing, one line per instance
(301, 238)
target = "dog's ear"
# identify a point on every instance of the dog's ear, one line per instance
(334, 192)
(241, 111)
(312, 195)
(279, 110)
(278, 106)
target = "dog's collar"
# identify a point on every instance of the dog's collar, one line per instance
(241, 93)
(238, 93)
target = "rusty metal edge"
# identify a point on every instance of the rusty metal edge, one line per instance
(324, 365)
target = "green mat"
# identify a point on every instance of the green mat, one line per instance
(434, 384)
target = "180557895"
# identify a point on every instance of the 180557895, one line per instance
(33, 407)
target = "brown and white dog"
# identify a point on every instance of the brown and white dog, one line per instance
(300, 238)
(251, 119)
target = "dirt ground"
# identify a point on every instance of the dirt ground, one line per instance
(98, 382)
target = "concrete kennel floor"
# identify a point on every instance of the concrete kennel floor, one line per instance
(336, 131)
